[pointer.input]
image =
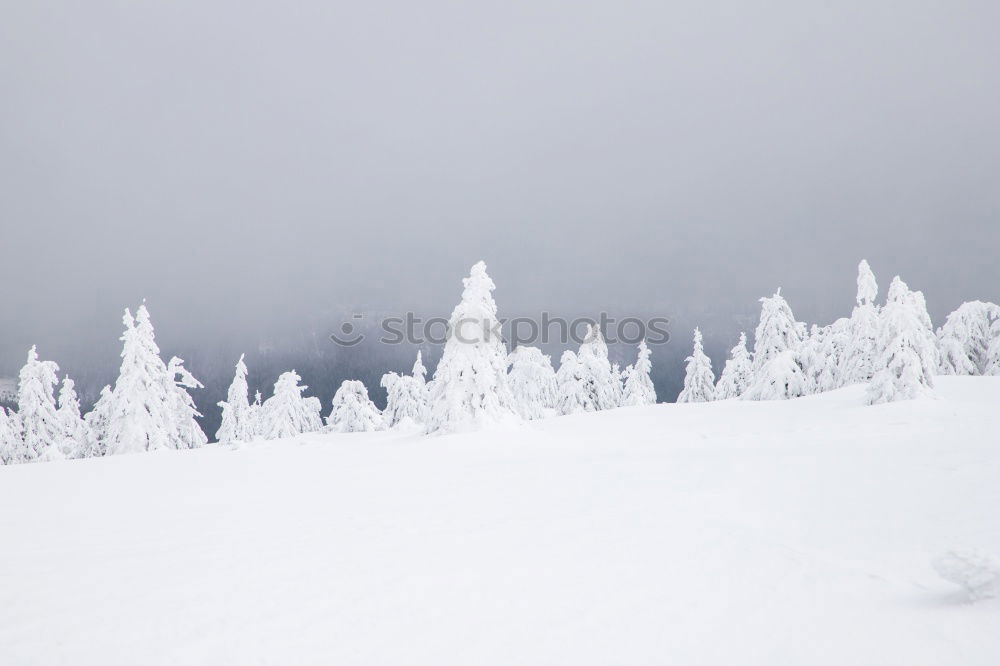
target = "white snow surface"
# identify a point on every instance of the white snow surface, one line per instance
(795, 532)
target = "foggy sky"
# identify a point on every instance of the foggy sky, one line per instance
(240, 164)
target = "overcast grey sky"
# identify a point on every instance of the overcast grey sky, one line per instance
(237, 162)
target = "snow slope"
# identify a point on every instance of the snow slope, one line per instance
(791, 533)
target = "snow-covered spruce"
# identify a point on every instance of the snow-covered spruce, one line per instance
(237, 422)
(40, 426)
(638, 389)
(406, 404)
(964, 340)
(699, 380)
(149, 408)
(906, 355)
(858, 362)
(833, 341)
(777, 331)
(738, 372)
(532, 382)
(975, 570)
(287, 412)
(256, 414)
(12, 447)
(470, 383)
(618, 377)
(96, 425)
(781, 379)
(74, 431)
(187, 433)
(811, 356)
(572, 397)
(993, 351)
(599, 380)
(353, 410)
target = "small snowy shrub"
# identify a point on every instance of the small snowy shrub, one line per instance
(353, 410)
(975, 570)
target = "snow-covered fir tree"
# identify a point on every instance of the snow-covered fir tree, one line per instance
(638, 389)
(74, 431)
(236, 423)
(419, 372)
(831, 351)
(532, 382)
(867, 286)
(406, 402)
(572, 394)
(928, 341)
(41, 428)
(780, 379)
(906, 355)
(6, 436)
(617, 384)
(777, 331)
(858, 363)
(96, 425)
(13, 448)
(699, 380)
(599, 379)
(812, 359)
(353, 410)
(139, 414)
(256, 415)
(288, 413)
(964, 339)
(470, 382)
(738, 372)
(187, 434)
(992, 364)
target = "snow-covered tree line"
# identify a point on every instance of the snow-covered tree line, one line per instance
(476, 382)
(149, 407)
(892, 348)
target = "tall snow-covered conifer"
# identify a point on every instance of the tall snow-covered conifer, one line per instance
(738, 372)
(639, 389)
(149, 408)
(699, 380)
(41, 428)
(186, 433)
(470, 383)
(906, 355)
(599, 378)
(858, 362)
(236, 424)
